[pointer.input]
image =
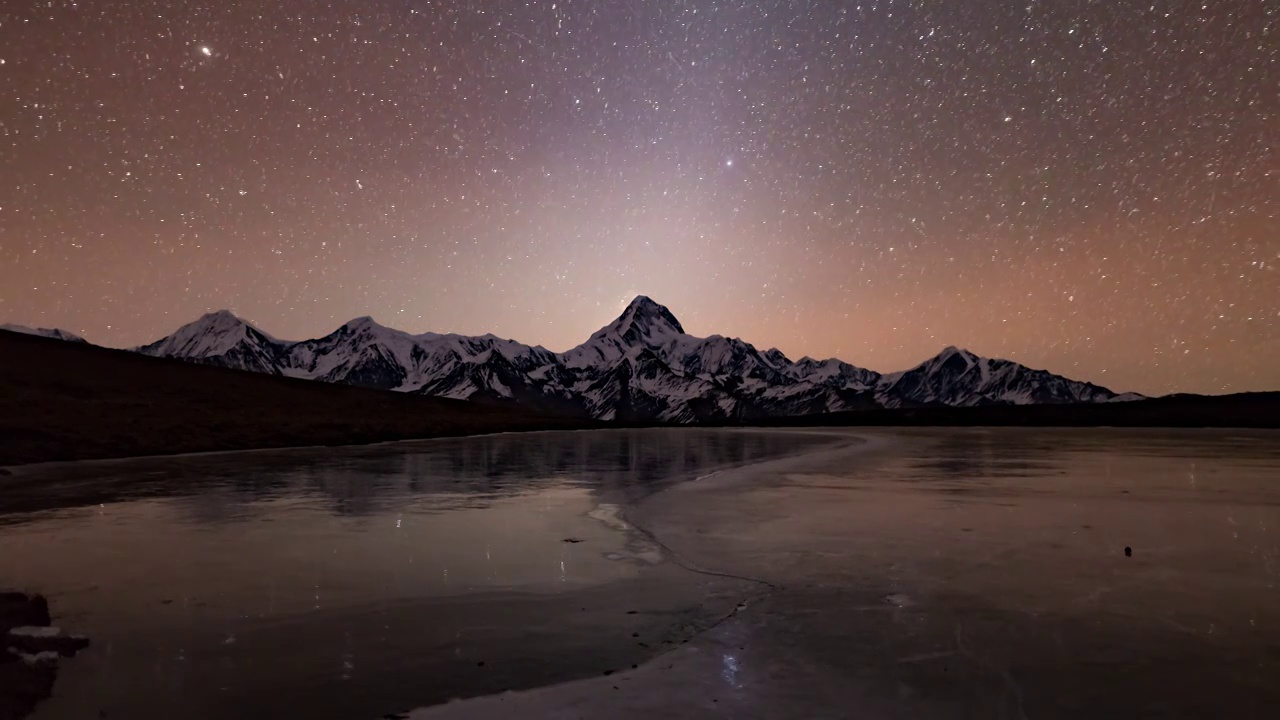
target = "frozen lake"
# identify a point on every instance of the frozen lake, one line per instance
(347, 583)
(868, 573)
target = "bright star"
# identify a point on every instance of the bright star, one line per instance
(729, 162)
(204, 50)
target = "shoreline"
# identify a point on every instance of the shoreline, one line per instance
(15, 470)
(10, 473)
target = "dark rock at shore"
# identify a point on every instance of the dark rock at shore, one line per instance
(19, 609)
(29, 657)
(23, 685)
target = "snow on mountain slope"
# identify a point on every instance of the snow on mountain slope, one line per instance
(641, 386)
(643, 324)
(642, 366)
(486, 366)
(220, 338)
(679, 377)
(719, 357)
(833, 373)
(776, 358)
(647, 325)
(959, 378)
(808, 398)
(361, 352)
(494, 369)
(55, 333)
(526, 358)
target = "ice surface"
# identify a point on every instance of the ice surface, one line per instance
(969, 573)
(412, 562)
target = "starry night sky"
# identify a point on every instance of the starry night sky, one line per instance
(1087, 186)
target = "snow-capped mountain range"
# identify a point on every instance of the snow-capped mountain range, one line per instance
(641, 367)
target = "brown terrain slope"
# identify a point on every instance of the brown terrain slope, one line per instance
(70, 401)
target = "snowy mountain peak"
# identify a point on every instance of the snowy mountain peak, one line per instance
(648, 316)
(221, 324)
(778, 358)
(953, 356)
(643, 324)
(218, 320)
(364, 322)
(960, 378)
(219, 338)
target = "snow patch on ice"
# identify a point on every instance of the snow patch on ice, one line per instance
(47, 656)
(33, 631)
(640, 547)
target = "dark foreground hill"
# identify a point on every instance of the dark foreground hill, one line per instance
(71, 401)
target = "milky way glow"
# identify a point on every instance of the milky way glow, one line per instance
(1089, 187)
